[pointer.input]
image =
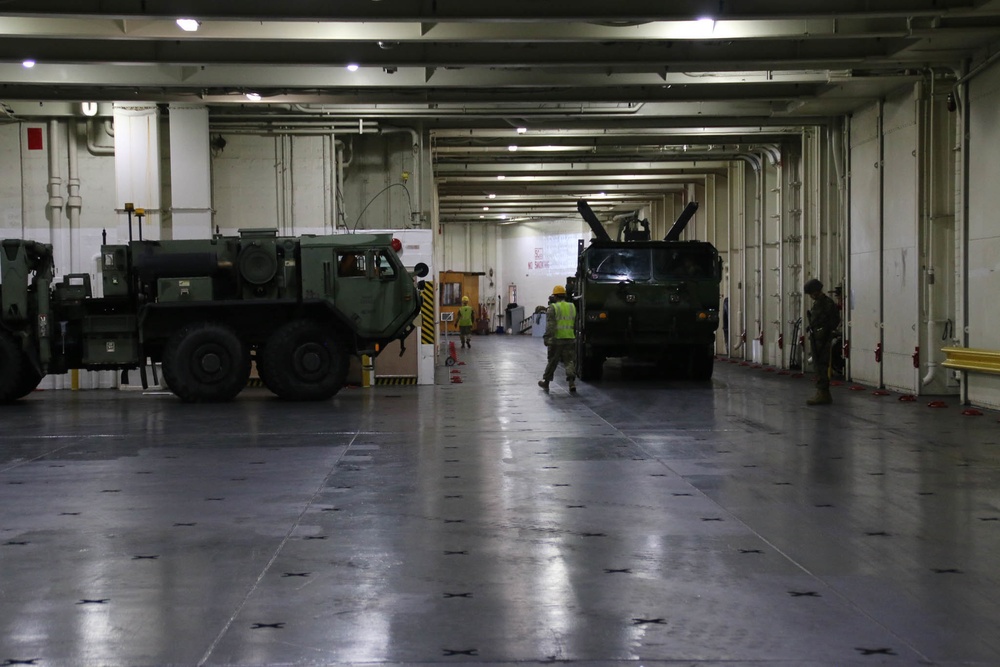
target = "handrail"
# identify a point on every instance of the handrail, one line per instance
(971, 359)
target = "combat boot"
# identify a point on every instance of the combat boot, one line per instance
(572, 387)
(822, 397)
(544, 384)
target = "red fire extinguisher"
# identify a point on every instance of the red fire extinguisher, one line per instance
(878, 353)
(916, 357)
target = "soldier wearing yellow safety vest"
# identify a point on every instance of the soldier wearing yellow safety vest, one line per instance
(466, 318)
(560, 338)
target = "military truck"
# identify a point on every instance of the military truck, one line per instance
(205, 310)
(645, 299)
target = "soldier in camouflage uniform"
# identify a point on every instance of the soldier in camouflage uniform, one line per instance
(823, 318)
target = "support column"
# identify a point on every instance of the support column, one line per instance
(190, 172)
(137, 167)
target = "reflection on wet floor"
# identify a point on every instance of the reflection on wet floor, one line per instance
(644, 519)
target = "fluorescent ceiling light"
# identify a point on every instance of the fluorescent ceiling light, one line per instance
(522, 130)
(188, 25)
(492, 195)
(253, 97)
(28, 63)
(352, 67)
(512, 148)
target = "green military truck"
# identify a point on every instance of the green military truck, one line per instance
(205, 310)
(646, 300)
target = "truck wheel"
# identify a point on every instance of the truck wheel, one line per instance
(702, 363)
(206, 362)
(304, 361)
(11, 362)
(589, 365)
(28, 381)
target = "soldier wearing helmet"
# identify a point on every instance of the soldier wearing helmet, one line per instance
(823, 318)
(560, 338)
(466, 318)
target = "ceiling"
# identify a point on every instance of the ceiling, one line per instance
(620, 102)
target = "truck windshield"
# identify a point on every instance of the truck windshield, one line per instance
(682, 264)
(617, 264)
(644, 264)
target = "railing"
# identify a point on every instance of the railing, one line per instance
(969, 359)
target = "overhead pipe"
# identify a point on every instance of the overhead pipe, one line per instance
(927, 203)
(55, 203)
(74, 203)
(92, 146)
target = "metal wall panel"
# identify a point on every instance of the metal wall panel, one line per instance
(864, 302)
(984, 229)
(771, 268)
(900, 258)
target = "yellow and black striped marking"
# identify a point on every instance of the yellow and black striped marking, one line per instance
(255, 383)
(395, 380)
(427, 314)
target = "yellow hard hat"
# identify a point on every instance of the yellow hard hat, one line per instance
(559, 289)
(465, 299)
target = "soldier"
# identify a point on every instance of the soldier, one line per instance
(560, 338)
(823, 318)
(466, 318)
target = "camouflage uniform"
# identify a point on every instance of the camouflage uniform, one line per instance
(560, 338)
(824, 318)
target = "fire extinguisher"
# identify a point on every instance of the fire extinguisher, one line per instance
(878, 353)
(760, 337)
(847, 349)
(781, 341)
(916, 357)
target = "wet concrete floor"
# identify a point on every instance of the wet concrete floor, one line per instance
(642, 521)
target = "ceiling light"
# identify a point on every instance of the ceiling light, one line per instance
(500, 177)
(352, 67)
(253, 97)
(28, 63)
(512, 148)
(188, 25)
(522, 130)
(486, 208)
(503, 216)
(492, 195)
(705, 26)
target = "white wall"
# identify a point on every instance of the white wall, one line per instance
(538, 256)
(984, 229)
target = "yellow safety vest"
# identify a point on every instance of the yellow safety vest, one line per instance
(565, 316)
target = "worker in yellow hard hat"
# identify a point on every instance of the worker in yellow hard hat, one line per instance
(560, 338)
(466, 318)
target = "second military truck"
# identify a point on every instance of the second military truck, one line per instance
(647, 299)
(205, 309)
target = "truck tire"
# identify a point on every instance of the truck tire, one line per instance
(304, 361)
(28, 381)
(702, 363)
(206, 362)
(11, 363)
(589, 365)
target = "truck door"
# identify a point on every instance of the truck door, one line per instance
(368, 290)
